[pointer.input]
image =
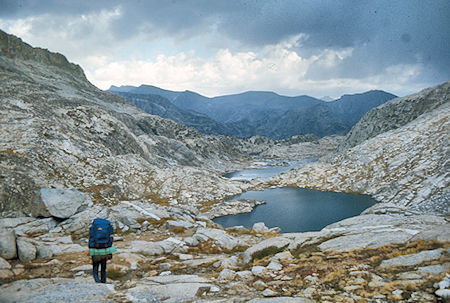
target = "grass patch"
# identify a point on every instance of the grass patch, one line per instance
(115, 274)
(269, 251)
(156, 199)
(312, 247)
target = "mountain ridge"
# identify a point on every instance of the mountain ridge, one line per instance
(248, 114)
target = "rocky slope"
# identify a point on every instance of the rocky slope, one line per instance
(396, 113)
(404, 160)
(58, 130)
(70, 153)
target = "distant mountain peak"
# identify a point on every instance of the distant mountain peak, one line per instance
(263, 113)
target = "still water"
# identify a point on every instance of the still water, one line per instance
(298, 209)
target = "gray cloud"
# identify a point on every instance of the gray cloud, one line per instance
(382, 33)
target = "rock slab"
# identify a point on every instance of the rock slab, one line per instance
(55, 290)
(57, 202)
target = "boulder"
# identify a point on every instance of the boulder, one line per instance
(171, 288)
(268, 293)
(57, 202)
(178, 225)
(226, 275)
(230, 263)
(25, 250)
(260, 227)
(191, 241)
(274, 266)
(443, 288)
(201, 262)
(244, 275)
(266, 247)
(259, 271)
(434, 269)
(146, 248)
(259, 285)
(414, 259)
(218, 237)
(8, 249)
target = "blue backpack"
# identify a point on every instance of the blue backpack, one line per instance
(100, 234)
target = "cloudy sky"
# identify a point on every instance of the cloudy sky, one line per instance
(216, 47)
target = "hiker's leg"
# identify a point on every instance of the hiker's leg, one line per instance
(95, 271)
(103, 270)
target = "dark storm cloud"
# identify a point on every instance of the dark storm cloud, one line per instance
(381, 33)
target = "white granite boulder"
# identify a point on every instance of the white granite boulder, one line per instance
(26, 251)
(146, 248)
(8, 249)
(57, 202)
(173, 245)
(218, 237)
(226, 275)
(260, 227)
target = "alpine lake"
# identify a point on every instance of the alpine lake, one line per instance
(294, 209)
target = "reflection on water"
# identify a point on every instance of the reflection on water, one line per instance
(298, 209)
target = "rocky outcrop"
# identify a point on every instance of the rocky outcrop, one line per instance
(396, 113)
(13, 47)
(405, 166)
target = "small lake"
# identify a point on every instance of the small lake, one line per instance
(298, 209)
(266, 172)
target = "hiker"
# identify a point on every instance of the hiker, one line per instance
(100, 247)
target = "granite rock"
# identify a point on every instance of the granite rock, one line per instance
(8, 249)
